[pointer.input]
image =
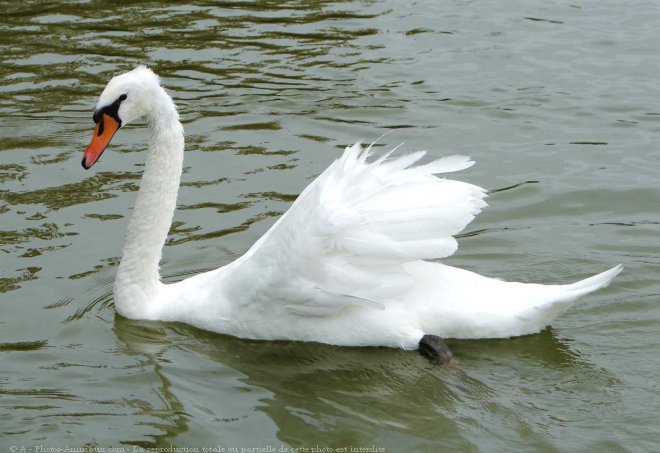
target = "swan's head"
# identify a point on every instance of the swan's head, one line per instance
(127, 97)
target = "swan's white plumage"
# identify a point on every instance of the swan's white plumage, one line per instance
(344, 241)
(344, 265)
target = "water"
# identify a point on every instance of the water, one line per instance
(556, 101)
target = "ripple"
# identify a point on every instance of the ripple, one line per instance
(23, 346)
(99, 303)
(95, 188)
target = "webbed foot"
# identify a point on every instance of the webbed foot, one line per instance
(435, 348)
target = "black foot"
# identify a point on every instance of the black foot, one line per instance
(435, 348)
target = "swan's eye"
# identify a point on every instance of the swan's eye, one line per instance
(110, 110)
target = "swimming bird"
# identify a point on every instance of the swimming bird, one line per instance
(346, 265)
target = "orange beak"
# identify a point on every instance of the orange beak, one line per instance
(103, 132)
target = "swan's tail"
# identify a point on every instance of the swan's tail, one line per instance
(562, 297)
(575, 290)
(474, 306)
(598, 281)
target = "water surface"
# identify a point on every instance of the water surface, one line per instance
(557, 102)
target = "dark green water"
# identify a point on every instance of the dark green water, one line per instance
(558, 102)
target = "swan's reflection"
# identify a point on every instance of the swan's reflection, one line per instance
(252, 393)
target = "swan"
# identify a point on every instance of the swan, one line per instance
(345, 265)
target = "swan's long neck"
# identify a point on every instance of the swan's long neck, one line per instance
(137, 279)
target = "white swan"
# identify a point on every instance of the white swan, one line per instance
(344, 265)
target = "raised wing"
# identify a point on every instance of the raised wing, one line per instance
(345, 239)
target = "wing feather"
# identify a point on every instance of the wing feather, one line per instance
(344, 241)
